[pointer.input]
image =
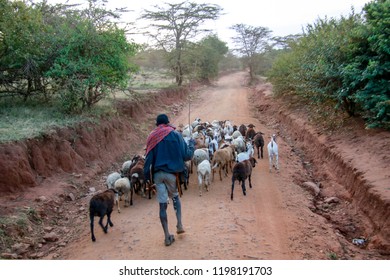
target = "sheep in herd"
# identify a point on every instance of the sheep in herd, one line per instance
(122, 187)
(223, 158)
(247, 154)
(236, 134)
(228, 128)
(126, 168)
(258, 141)
(198, 157)
(128, 165)
(101, 205)
(110, 181)
(242, 171)
(195, 123)
(273, 153)
(204, 172)
(200, 140)
(111, 178)
(137, 178)
(239, 143)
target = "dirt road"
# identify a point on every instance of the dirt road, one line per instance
(273, 221)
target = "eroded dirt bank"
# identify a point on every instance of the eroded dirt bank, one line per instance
(73, 150)
(352, 163)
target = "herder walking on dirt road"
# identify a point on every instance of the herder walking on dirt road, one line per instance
(166, 152)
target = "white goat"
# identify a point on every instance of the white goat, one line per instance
(236, 134)
(111, 178)
(195, 123)
(239, 143)
(204, 171)
(273, 154)
(199, 156)
(126, 168)
(228, 128)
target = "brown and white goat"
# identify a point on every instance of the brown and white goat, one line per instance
(137, 178)
(223, 158)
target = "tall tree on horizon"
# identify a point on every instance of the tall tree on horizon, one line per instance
(173, 25)
(250, 41)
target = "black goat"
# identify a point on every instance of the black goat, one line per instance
(100, 205)
(242, 171)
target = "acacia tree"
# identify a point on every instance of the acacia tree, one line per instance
(174, 25)
(250, 41)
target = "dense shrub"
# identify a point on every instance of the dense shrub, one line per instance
(342, 61)
(78, 54)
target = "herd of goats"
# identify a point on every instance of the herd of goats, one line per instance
(218, 145)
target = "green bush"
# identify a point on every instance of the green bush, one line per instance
(343, 61)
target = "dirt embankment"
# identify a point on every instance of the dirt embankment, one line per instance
(65, 151)
(352, 163)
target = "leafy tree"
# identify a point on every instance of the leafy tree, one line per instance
(212, 53)
(342, 62)
(174, 25)
(93, 58)
(204, 57)
(22, 48)
(251, 41)
(367, 77)
(81, 54)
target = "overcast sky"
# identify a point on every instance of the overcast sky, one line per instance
(282, 17)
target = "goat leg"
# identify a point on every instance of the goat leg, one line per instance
(117, 202)
(243, 187)
(231, 195)
(109, 219)
(101, 224)
(92, 235)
